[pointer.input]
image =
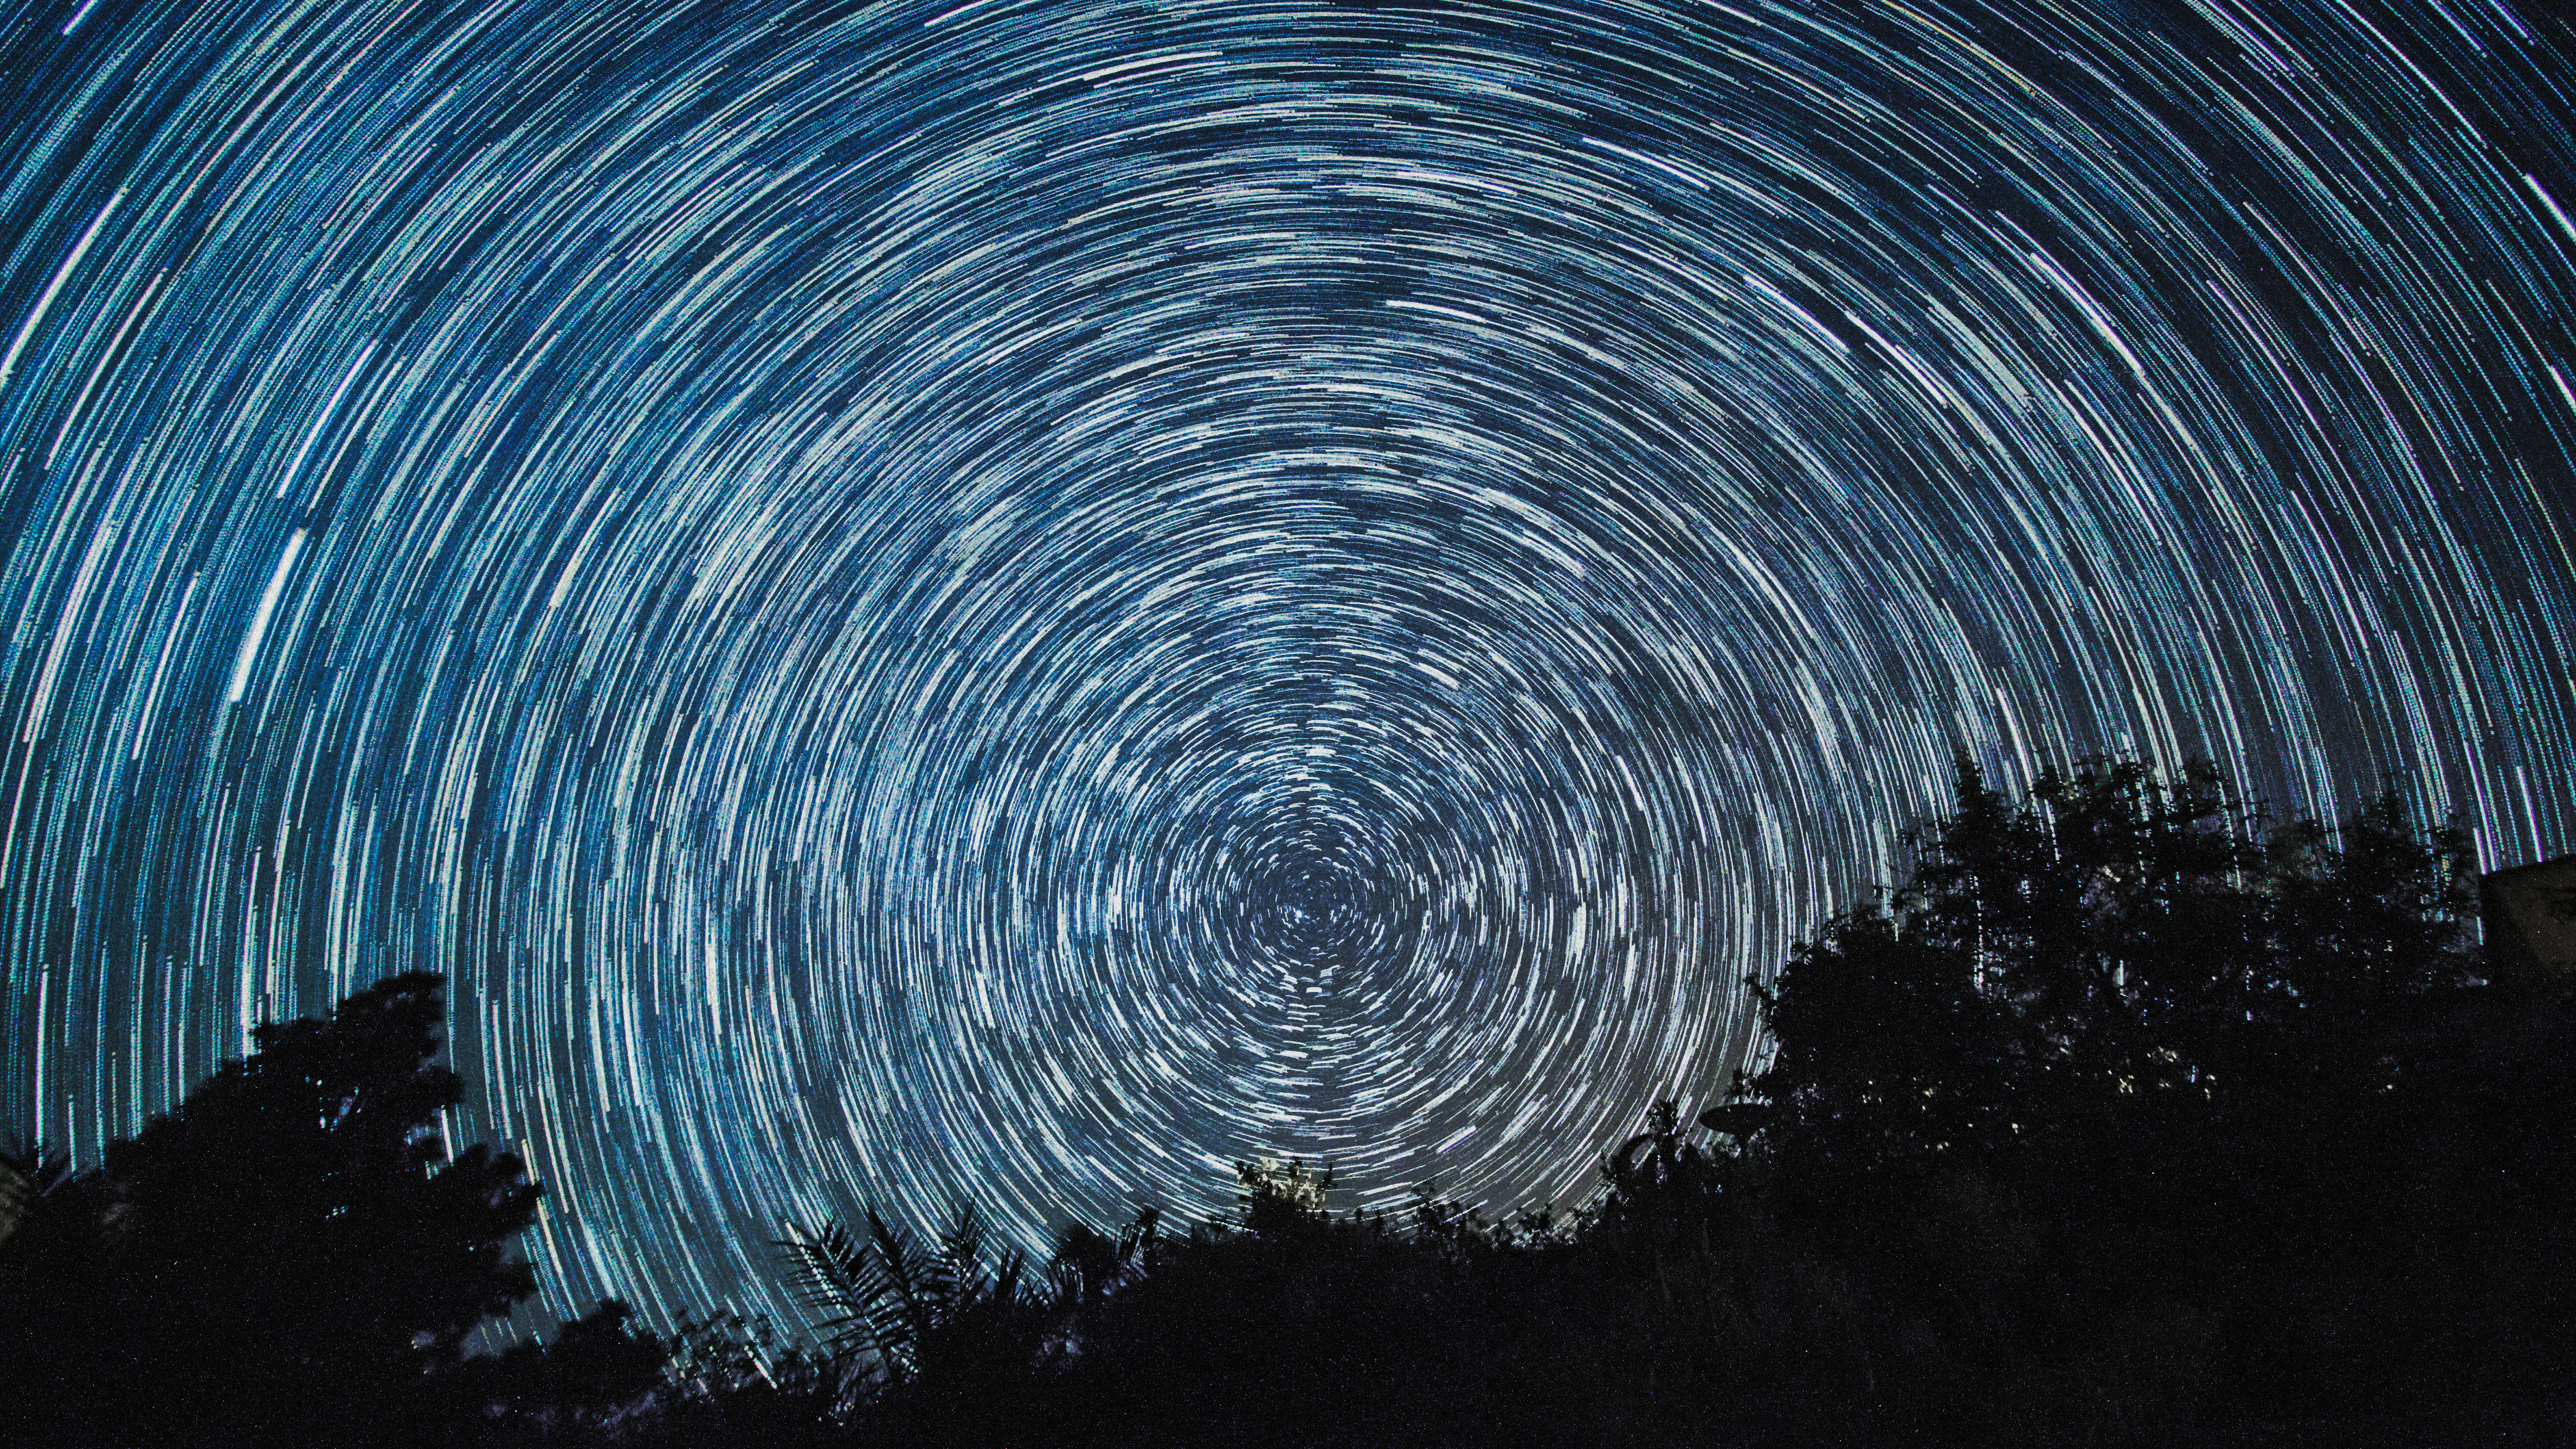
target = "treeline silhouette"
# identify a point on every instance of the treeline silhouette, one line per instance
(2126, 1119)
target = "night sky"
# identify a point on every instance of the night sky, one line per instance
(1039, 597)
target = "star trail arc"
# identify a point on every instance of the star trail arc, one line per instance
(1036, 598)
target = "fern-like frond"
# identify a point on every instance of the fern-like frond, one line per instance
(833, 1273)
(960, 1263)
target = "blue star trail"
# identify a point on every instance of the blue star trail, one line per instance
(1032, 599)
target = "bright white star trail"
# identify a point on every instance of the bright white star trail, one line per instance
(1033, 598)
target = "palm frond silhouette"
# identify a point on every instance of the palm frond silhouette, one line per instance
(894, 1314)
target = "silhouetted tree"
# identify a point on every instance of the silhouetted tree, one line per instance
(290, 1255)
(2120, 1059)
(1283, 1200)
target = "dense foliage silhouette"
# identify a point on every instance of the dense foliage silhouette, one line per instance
(292, 1255)
(2127, 1118)
(2135, 1112)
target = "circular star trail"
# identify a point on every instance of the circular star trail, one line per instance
(1033, 598)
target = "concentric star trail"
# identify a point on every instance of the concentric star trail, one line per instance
(1034, 598)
